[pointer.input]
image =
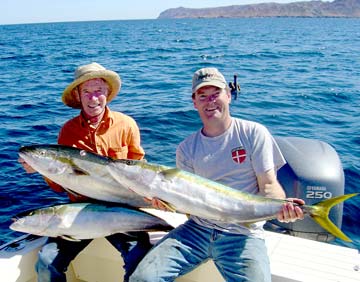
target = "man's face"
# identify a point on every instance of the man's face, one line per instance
(212, 103)
(93, 96)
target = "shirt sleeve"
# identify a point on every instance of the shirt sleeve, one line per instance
(266, 154)
(182, 160)
(136, 152)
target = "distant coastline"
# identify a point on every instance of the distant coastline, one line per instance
(337, 8)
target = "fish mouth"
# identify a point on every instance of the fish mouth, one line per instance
(43, 158)
(29, 152)
(28, 149)
(16, 223)
(26, 156)
(24, 152)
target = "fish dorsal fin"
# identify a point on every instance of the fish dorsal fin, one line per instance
(170, 173)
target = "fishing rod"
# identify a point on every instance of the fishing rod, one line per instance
(234, 87)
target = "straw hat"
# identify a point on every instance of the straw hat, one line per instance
(86, 72)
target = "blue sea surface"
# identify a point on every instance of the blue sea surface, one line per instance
(298, 76)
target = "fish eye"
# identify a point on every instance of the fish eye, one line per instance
(130, 162)
(82, 153)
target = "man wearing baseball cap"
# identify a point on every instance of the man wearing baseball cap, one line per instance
(96, 129)
(238, 153)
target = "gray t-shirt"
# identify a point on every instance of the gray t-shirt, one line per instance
(233, 158)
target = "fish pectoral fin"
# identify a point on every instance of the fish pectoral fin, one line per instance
(72, 192)
(75, 168)
(168, 206)
(78, 171)
(69, 238)
(170, 173)
(248, 225)
(171, 218)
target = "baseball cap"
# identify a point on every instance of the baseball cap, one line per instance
(208, 76)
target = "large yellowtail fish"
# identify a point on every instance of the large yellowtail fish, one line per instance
(79, 221)
(79, 171)
(195, 195)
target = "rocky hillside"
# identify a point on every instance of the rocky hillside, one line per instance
(337, 8)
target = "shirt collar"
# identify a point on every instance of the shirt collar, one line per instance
(108, 118)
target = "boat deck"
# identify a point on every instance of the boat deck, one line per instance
(292, 259)
(298, 259)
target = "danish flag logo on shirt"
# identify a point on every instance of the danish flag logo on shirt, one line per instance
(238, 155)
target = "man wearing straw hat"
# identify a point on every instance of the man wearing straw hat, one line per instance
(105, 132)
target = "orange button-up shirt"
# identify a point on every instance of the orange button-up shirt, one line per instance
(117, 136)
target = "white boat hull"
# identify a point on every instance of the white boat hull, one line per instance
(292, 259)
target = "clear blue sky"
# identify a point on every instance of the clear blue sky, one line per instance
(35, 11)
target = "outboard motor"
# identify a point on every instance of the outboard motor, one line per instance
(313, 173)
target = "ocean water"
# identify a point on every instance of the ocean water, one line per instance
(298, 76)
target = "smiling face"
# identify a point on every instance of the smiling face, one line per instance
(93, 95)
(212, 104)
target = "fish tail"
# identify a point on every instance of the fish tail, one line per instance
(320, 214)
